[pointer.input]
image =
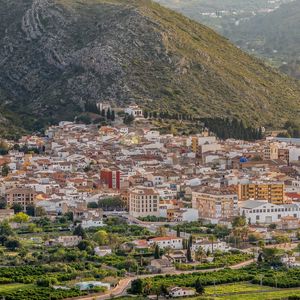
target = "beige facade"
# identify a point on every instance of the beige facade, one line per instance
(272, 192)
(22, 196)
(271, 152)
(215, 204)
(143, 202)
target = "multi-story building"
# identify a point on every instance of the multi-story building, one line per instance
(143, 202)
(23, 196)
(271, 151)
(272, 192)
(111, 178)
(215, 204)
(283, 154)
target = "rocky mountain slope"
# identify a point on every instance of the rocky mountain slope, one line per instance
(58, 54)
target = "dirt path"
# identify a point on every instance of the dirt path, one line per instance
(124, 284)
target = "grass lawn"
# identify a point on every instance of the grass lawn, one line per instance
(14, 286)
(279, 294)
(234, 288)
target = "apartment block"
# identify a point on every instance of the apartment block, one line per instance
(22, 196)
(215, 204)
(143, 202)
(110, 178)
(271, 151)
(272, 192)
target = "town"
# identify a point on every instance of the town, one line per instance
(125, 209)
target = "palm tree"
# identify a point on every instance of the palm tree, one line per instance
(200, 253)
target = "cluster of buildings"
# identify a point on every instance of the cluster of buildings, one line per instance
(175, 178)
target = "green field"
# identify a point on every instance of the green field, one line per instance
(281, 294)
(235, 288)
(14, 286)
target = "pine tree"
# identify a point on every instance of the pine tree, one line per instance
(137, 286)
(103, 112)
(128, 119)
(79, 231)
(5, 170)
(190, 241)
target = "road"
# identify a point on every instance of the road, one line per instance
(124, 284)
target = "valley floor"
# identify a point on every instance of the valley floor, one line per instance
(239, 291)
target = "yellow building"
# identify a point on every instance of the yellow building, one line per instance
(273, 192)
(195, 144)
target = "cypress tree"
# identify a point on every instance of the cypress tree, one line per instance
(178, 231)
(199, 287)
(189, 254)
(108, 114)
(113, 116)
(156, 252)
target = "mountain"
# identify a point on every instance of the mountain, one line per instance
(57, 55)
(267, 29)
(275, 36)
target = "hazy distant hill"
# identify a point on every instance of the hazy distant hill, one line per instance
(275, 36)
(58, 54)
(223, 15)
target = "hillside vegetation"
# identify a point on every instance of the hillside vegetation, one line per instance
(58, 54)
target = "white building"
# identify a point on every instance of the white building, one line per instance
(267, 213)
(183, 215)
(102, 251)
(87, 285)
(207, 245)
(152, 135)
(294, 154)
(92, 223)
(135, 111)
(167, 242)
(176, 292)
